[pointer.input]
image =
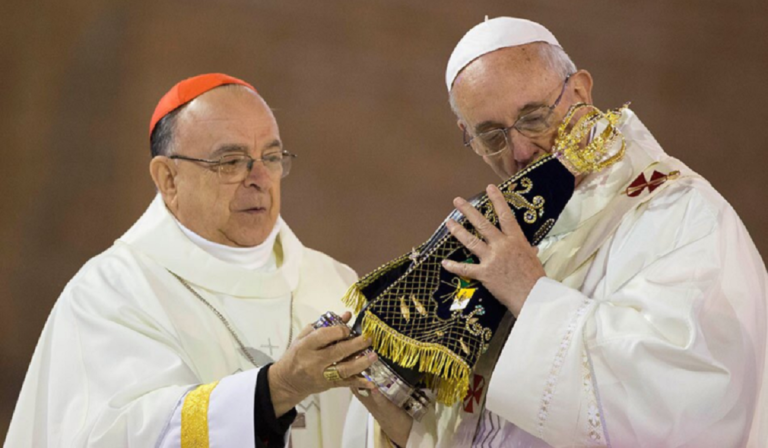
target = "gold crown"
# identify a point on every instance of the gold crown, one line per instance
(580, 156)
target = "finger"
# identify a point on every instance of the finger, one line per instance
(467, 270)
(482, 225)
(361, 393)
(323, 337)
(346, 317)
(507, 221)
(345, 349)
(355, 383)
(348, 369)
(304, 332)
(471, 242)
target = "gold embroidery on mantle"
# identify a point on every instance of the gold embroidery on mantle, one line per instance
(194, 417)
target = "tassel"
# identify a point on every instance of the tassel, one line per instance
(451, 372)
(355, 299)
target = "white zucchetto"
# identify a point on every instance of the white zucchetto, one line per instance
(491, 35)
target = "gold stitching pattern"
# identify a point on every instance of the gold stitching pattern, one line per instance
(433, 343)
(194, 417)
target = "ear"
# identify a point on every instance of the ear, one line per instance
(163, 171)
(582, 83)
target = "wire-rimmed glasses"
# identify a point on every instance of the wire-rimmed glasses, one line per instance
(531, 125)
(234, 168)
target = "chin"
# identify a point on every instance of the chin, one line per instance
(251, 239)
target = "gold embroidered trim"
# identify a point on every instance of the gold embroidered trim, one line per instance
(542, 232)
(194, 417)
(354, 298)
(431, 358)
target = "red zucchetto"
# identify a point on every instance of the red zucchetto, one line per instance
(189, 89)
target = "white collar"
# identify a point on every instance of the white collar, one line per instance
(259, 258)
(157, 236)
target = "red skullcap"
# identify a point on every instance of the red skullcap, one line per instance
(189, 89)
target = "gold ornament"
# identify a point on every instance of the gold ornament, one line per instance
(404, 310)
(331, 373)
(584, 158)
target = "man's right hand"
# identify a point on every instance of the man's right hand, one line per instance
(394, 421)
(299, 373)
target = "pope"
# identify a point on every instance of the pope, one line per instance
(639, 321)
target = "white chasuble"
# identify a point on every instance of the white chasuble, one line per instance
(649, 330)
(131, 357)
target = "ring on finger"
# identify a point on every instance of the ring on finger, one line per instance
(331, 373)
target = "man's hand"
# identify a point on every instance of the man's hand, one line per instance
(299, 373)
(509, 267)
(395, 422)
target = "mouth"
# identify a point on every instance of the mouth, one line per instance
(254, 210)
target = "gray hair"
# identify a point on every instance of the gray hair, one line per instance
(555, 59)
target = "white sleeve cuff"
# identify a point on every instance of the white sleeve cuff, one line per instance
(538, 345)
(230, 414)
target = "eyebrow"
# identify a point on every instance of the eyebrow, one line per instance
(273, 144)
(228, 148)
(489, 125)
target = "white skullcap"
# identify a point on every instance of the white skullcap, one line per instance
(491, 35)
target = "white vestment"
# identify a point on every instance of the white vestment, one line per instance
(649, 330)
(128, 350)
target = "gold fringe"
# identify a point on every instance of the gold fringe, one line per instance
(354, 298)
(434, 359)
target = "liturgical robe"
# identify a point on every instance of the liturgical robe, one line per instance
(130, 357)
(649, 330)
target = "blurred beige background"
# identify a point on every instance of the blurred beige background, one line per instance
(359, 94)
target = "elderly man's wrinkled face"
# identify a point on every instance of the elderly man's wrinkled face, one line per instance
(226, 120)
(495, 90)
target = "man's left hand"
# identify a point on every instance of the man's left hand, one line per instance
(509, 267)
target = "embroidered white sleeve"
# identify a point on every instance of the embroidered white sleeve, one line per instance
(230, 414)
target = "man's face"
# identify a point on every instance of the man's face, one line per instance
(493, 91)
(226, 120)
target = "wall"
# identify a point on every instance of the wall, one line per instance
(359, 94)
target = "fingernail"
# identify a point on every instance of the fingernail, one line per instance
(458, 201)
(373, 356)
(363, 392)
(445, 263)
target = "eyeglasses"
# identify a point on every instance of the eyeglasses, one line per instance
(234, 168)
(531, 125)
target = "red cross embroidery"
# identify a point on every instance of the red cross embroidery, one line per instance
(474, 394)
(638, 185)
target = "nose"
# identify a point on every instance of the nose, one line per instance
(523, 150)
(259, 176)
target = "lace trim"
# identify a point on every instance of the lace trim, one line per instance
(594, 422)
(557, 364)
(194, 417)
